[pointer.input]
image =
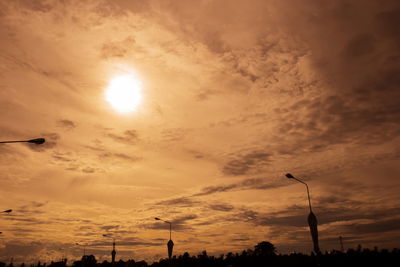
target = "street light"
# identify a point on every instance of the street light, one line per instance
(113, 252)
(37, 141)
(170, 244)
(312, 219)
(341, 243)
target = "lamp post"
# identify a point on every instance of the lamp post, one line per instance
(113, 252)
(37, 141)
(312, 219)
(341, 243)
(170, 244)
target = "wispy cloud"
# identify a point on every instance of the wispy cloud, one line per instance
(120, 156)
(242, 164)
(221, 207)
(246, 184)
(180, 202)
(128, 137)
(66, 124)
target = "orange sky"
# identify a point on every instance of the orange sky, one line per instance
(234, 95)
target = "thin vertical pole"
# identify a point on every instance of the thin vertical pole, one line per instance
(309, 200)
(308, 192)
(341, 243)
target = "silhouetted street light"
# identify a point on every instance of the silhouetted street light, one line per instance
(170, 244)
(37, 141)
(113, 252)
(312, 219)
(341, 243)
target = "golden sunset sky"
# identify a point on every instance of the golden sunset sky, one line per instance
(234, 95)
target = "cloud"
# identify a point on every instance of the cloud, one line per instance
(63, 157)
(24, 249)
(321, 123)
(120, 156)
(37, 5)
(128, 243)
(5, 151)
(378, 226)
(181, 221)
(243, 215)
(240, 239)
(90, 170)
(336, 199)
(246, 184)
(221, 207)
(345, 213)
(358, 99)
(358, 71)
(32, 207)
(67, 124)
(174, 134)
(26, 220)
(178, 223)
(117, 49)
(179, 202)
(73, 161)
(216, 189)
(292, 220)
(128, 137)
(196, 154)
(109, 227)
(242, 164)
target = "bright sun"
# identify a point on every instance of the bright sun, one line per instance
(123, 93)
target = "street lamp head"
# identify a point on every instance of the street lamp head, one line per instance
(7, 211)
(157, 219)
(37, 141)
(289, 176)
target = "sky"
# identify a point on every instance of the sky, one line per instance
(234, 95)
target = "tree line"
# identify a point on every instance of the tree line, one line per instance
(263, 255)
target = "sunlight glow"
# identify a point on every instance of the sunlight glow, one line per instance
(124, 93)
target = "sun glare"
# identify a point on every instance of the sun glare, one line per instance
(123, 93)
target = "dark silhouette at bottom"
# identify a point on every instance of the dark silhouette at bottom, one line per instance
(263, 255)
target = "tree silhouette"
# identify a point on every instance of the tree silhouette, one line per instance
(264, 249)
(264, 255)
